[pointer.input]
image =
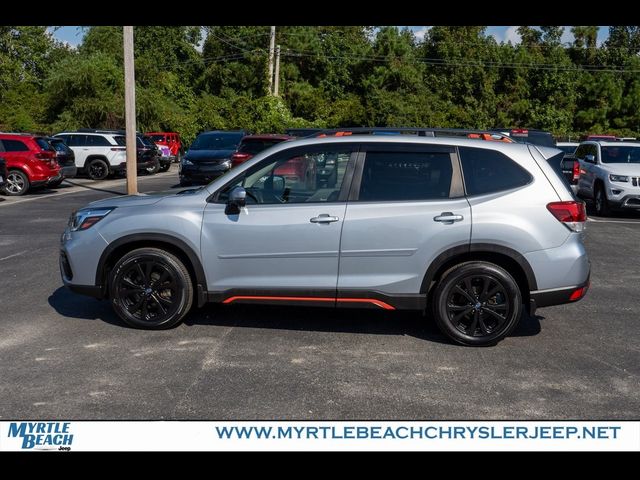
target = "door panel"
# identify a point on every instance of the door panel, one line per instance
(397, 221)
(287, 237)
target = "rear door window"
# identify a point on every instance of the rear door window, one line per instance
(97, 141)
(488, 171)
(15, 146)
(405, 176)
(76, 140)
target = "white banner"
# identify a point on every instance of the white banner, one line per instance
(319, 436)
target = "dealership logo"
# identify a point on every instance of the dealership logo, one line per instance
(42, 435)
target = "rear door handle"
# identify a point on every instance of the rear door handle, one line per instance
(324, 218)
(448, 217)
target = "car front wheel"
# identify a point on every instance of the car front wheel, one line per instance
(97, 169)
(601, 202)
(477, 303)
(151, 288)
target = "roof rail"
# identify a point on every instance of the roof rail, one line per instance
(421, 132)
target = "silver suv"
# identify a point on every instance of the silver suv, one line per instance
(475, 231)
(609, 174)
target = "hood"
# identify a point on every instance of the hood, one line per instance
(203, 155)
(138, 200)
(629, 169)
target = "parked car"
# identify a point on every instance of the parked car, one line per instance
(209, 156)
(66, 159)
(527, 135)
(471, 230)
(567, 147)
(610, 175)
(3, 172)
(606, 138)
(171, 140)
(30, 161)
(100, 153)
(148, 152)
(251, 145)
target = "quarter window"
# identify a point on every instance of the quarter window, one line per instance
(488, 171)
(405, 176)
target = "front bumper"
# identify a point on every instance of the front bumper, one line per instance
(631, 201)
(196, 173)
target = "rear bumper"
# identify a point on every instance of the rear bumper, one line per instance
(559, 296)
(69, 172)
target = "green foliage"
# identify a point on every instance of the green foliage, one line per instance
(329, 77)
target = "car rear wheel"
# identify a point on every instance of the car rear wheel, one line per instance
(477, 303)
(601, 202)
(17, 183)
(97, 169)
(151, 288)
(152, 170)
(165, 167)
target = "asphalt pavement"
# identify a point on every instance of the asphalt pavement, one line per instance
(65, 356)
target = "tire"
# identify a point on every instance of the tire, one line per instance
(165, 167)
(185, 183)
(485, 322)
(601, 202)
(97, 169)
(136, 297)
(16, 184)
(153, 169)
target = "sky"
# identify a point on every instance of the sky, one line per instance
(73, 35)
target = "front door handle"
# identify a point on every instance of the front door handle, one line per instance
(324, 218)
(448, 217)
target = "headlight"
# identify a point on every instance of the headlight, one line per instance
(226, 163)
(186, 161)
(619, 178)
(87, 217)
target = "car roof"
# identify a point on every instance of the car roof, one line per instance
(606, 143)
(268, 136)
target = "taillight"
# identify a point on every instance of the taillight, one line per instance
(578, 293)
(576, 170)
(45, 155)
(238, 158)
(572, 214)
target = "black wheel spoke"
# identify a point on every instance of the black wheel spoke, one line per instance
(474, 323)
(142, 278)
(133, 308)
(159, 303)
(483, 326)
(495, 314)
(464, 294)
(469, 288)
(458, 308)
(145, 305)
(485, 287)
(161, 279)
(125, 292)
(485, 296)
(166, 301)
(460, 315)
(147, 272)
(129, 283)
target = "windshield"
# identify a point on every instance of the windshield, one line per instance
(256, 146)
(217, 141)
(157, 138)
(567, 148)
(620, 154)
(43, 144)
(59, 145)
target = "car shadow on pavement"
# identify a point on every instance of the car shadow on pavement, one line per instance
(373, 322)
(339, 320)
(89, 187)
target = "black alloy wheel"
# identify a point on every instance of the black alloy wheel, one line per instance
(601, 202)
(97, 169)
(477, 303)
(151, 288)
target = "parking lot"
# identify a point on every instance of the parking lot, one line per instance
(67, 356)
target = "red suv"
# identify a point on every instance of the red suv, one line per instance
(31, 162)
(171, 140)
(251, 145)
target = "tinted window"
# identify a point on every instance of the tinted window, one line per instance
(43, 144)
(254, 146)
(15, 146)
(623, 154)
(580, 151)
(405, 176)
(567, 148)
(59, 145)
(76, 140)
(97, 141)
(120, 140)
(157, 138)
(217, 141)
(295, 178)
(487, 171)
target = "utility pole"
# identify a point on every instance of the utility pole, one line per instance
(130, 111)
(272, 42)
(276, 82)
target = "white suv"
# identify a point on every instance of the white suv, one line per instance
(609, 174)
(100, 152)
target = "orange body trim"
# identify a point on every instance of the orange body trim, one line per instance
(373, 301)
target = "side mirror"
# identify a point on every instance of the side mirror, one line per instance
(590, 158)
(237, 200)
